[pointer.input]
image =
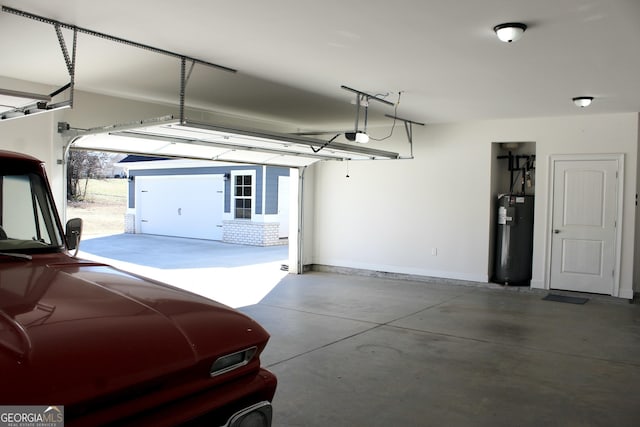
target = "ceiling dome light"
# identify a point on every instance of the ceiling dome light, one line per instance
(510, 32)
(583, 101)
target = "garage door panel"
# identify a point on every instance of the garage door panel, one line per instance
(170, 137)
(182, 206)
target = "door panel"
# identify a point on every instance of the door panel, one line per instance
(582, 256)
(584, 225)
(584, 198)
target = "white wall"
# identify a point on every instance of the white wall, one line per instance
(389, 215)
(637, 237)
(30, 135)
(33, 136)
(92, 110)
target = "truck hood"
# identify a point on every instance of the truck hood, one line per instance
(73, 330)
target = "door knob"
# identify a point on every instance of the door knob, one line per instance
(556, 231)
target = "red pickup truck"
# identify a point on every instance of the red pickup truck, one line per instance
(107, 346)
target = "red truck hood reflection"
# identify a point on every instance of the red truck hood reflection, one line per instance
(72, 330)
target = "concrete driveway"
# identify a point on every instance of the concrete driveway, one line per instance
(235, 275)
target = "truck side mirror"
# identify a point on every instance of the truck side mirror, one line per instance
(73, 233)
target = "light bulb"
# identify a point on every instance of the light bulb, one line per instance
(362, 137)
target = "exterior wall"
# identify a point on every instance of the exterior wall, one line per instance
(271, 195)
(130, 221)
(261, 230)
(158, 170)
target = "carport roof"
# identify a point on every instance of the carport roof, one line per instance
(173, 138)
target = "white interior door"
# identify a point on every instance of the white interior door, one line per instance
(283, 206)
(585, 211)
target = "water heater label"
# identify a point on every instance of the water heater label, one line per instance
(502, 215)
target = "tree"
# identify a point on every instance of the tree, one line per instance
(82, 165)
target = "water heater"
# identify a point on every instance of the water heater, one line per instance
(514, 239)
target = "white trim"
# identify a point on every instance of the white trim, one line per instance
(538, 284)
(283, 205)
(297, 233)
(264, 193)
(173, 164)
(232, 209)
(619, 158)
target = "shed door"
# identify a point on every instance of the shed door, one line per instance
(583, 251)
(181, 205)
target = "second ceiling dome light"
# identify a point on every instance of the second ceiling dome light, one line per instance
(510, 31)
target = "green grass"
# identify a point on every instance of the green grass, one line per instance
(104, 207)
(106, 190)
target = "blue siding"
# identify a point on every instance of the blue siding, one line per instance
(132, 192)
(272, 188)
(211, 170)
(258, 197)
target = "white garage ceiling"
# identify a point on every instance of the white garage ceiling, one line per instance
(292, 56)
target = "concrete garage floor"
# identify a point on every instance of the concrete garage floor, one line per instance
(365, 351)
(360, 351)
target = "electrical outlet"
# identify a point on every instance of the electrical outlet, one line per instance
(434, 251)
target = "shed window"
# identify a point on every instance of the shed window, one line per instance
(243, 194)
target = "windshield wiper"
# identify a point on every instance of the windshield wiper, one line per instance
(15, 255)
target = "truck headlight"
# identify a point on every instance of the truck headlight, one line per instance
(232, 361)
(258, 415)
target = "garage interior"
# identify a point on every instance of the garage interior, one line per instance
(388, 315)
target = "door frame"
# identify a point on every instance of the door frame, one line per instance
(553, 158)
(284, 181)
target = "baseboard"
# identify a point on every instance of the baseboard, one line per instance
(396, 276)
(410, 277)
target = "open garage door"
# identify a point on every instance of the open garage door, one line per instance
(170, 137)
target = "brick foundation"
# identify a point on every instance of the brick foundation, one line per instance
(252, 233)
(130, 223)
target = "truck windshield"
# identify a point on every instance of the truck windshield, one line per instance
(27, 222)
